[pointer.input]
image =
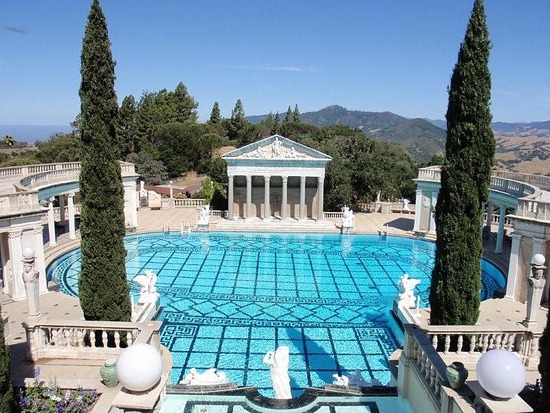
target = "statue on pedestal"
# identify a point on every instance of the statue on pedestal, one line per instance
(210, 377)
(347, 220)
(406, 291)
(204, 215)
(148, 290)
(278, 361)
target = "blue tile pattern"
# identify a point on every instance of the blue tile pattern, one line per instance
(227, 299)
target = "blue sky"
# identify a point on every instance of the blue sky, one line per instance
(372, 55)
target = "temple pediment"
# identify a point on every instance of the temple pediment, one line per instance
(276, 147)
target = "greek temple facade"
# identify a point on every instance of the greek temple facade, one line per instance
(275, 178)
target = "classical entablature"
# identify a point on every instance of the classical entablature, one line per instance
(276, 177)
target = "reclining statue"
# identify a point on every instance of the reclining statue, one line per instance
(210, 377)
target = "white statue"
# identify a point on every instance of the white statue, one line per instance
(340, 380)
(142, 190)
(347, 220)
(276, 148)
(209, 377)
(406, 291)
(405, 204)
(148, 290)
(356, 379)
(278, 361)
(204, 215)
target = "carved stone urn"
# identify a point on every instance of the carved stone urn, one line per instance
(456, 374)
(108, 373)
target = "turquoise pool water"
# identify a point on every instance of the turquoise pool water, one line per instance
(229, 298)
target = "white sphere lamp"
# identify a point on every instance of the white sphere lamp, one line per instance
(28, 253)
(500, 373)
(139, 367)
(538, 259)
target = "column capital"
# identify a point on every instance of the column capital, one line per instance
(70, 194)
(15, 233)
(51, 199)
(267, 178)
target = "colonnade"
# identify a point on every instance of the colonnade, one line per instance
(424, 219)
(270, 193)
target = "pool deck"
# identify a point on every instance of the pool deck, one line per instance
(56, 305)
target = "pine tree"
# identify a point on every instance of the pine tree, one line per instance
(465, 178)
(296, 118)
(288, 116)
(276, 124)
(104, 290)
(215, 115)
(7, 401)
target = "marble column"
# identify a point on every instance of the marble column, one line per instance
(302, 197)
(500, 233)
(248, 196)
(40, 260)
(320, 197)
(230, 196)
(15, 281)
(61, 209)
(267, 209)
(51, 222)
(513, 267)
(417, 210)
(489, 221)
(432, 213)
(539, 247)
(71, 209)
(284, 202)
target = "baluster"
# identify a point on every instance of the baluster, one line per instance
(473, 339)
(491, 341)
(433, 376)
(67, 338)
(510, 343)
(498, 341)
(117, 339)
(104, 338)
(447, 343)
(92, 338)
(80, 338)
(54, 334)
(459, 344)
(434, 341)
(129, 338)
(484, 343)
(422, 363)
(427, 372)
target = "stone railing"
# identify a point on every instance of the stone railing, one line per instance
(19, 203)
(534, 207)
(25, 170)
(187, 202)
(332, 215)
(419, 354)
(36, 176)
(540, 181)
(480, 339)
(61, 339)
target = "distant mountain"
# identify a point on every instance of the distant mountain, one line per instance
(32, 133)
(420, 138)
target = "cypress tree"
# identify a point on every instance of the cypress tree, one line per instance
(7, 401)
(544, 365)
(465, 179)
(215, 115)
(103, 288)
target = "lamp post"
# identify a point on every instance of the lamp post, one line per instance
(536, 286)
(30, 277)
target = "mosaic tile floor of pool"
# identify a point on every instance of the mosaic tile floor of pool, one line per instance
(227, 299)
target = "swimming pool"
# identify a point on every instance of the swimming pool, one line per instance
(228, 298)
